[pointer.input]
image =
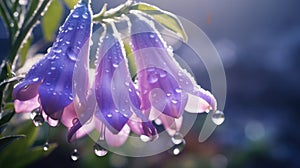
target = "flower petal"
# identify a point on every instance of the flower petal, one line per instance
(116, 140)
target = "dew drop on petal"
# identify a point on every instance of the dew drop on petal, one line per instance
(218, 117)
(46, 146)
(71, 54)
(151, 35)
(99, 150)
(109, 115)
(153, 78)
(57, 50)
(75, 155)
(115, 65)
(74, 121)
(178, 90)
(85, 15)
(35, 79)
(178, 148)
(75, 15)
(174, 101)
(177, 138)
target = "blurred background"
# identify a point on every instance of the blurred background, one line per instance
(259, 44)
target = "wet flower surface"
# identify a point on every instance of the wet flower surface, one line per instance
(108, 98)
(48, 84)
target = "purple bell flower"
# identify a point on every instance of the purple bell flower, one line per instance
(48, 84)
(166, 90)
(117, 97)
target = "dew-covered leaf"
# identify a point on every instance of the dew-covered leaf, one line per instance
(167, 19)
(51, 19)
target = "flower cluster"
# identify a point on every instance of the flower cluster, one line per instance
(116, 102)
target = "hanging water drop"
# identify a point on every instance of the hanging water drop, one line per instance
(99, 150)
(178, 148)
(38, 120)
(218, 117)
(46, 146)
(75, 155)
(177, 138)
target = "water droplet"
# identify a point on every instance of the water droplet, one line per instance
(115, 65)
(38, 120)
(57, 50)
(71, 54)
(70, 27)
(99, 150)
(145, 138)
(53, 68)
(158, 121)
(46, 146)
(16, 14)
(109, 115)
(75, 155)
(177, 138)
(152, 78)
(85, 15)
(68, 42)
(174, 101)
(163, 74)
(151, 35)
(75, 15)
(169, 94)
(35, 79)
(74, 121)
(178, 148)
(218, 117)
(178, 90)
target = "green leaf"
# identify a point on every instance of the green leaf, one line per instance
(6, 117)
(5, 141)
(71, 3)
(51, 19)
(21, 152)
(24, 51)
(165, 18)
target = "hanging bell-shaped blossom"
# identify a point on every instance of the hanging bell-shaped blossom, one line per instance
(117, 97)
(48, 84)
(166, 89)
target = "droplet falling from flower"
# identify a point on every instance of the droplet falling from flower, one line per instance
(177, 138)
(46, 146)
(218, 117)
(99, 150)
(38, 120)
(178, 148)
(75, 155)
